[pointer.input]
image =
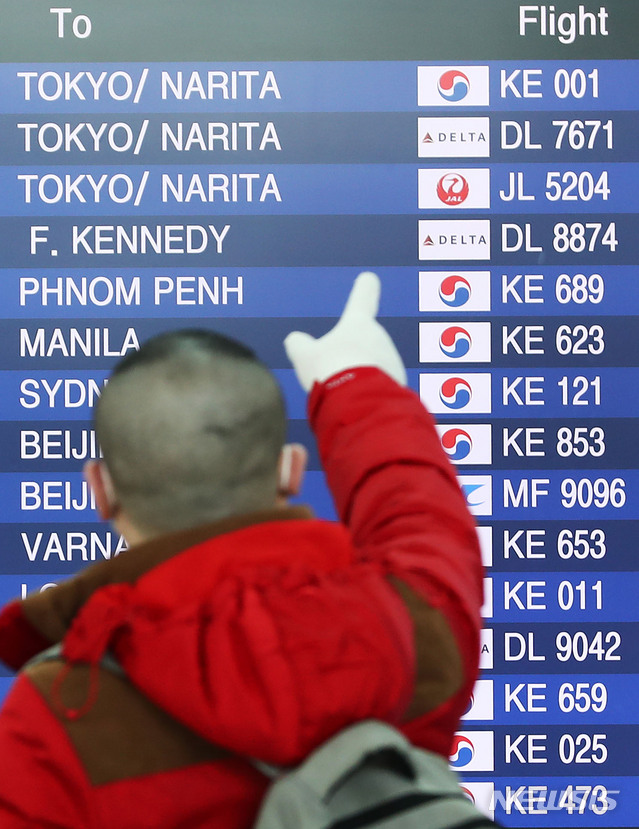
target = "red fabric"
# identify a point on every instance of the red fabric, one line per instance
(269, 639)
(19, 640)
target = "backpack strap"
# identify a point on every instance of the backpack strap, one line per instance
(108, 661)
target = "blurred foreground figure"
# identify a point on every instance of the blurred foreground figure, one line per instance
(236, 626)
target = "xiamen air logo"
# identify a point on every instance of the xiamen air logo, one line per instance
(452, 189)
(453, 85)
(455, 291)
(455, 342)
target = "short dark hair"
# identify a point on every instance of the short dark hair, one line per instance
(191, 427)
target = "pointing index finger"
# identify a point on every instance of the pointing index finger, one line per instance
(363, 300)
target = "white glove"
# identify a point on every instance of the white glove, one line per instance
(357, 340)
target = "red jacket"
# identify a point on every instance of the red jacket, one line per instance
(259, 636)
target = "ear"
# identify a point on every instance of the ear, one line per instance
(291, 469)
(99, 480)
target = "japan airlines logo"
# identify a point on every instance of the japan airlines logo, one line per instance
(453, 85)
(461, 189)
(456, 86)
(467, 443)
(456, 394)
(463, 752)
(455, 342)
(467, 291)
(455, 291)
(452, 189)
(473, 751)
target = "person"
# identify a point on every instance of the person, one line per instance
(237, 627)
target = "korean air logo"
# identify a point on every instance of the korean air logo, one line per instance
(455, 342)
(469, 794)
(453, 86)
(450, 342)
(473, 751)
(469, 707)
(452, 189)
(455, 393)
(463, 752)
(461, 290)
(455, 291)
(457, 444)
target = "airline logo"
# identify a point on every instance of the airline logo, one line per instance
(487, 607)
(481, 705)
(478, 490)
(454, 239)
(452, 86)
(453, 137)
(486, 650)
(459, 189)
(482, 795)
(485, 535)
(467, 443)
(454, 291)
(456, 394)
(473, 751)
(450, 342)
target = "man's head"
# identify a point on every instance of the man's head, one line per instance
(191, 427)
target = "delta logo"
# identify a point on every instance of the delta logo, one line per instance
(453, 137)
(473, 751)
(454, 239)
(454, 291)
(450, 342)
(445, 86)
(467, 189)
(456, 394)
(486, 649)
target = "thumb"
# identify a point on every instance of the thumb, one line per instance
(299, 346)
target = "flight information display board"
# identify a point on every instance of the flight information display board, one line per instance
(167, 165)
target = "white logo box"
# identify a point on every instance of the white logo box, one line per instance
(453, 137)
(472, 86)
(431, 290)
(455, 239)
(477, 182)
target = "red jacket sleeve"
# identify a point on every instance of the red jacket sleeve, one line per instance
(43, 783)
(398, 494)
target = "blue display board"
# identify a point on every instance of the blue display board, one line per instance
(240, 183)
